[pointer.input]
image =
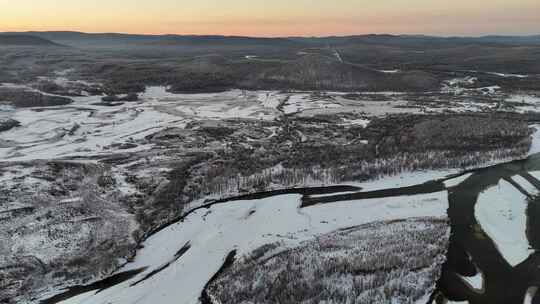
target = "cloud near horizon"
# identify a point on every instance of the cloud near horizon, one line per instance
(274, 18)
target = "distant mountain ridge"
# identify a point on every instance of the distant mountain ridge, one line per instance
(7, 39)
(411, 40)
(80, 39)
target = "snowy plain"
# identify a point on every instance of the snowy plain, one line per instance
(88, 127)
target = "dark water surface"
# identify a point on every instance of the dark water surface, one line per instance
(471, 250)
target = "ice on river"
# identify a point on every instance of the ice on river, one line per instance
(501, 211)
(243, 226)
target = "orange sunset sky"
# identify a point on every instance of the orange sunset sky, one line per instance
(275, 17)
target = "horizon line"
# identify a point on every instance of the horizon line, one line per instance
(271, 36)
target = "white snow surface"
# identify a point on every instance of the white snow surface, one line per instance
(301, 102)
(87, 128)
(475, 282)
(508, 75)
(529, 295)
(405, 179)
(535, 174)
(501, 211)
(357, 122)
(526, 185)
(82, 129)
(244, 226)
(456, 181)
(535, 146)
(524, 103)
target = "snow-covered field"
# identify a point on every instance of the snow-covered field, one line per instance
(244, 226)
(88, 127)
(501, 211)
(298, 103)
(524, 103)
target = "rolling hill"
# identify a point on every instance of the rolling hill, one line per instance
(24, 40)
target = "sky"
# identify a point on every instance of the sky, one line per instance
(275, 17)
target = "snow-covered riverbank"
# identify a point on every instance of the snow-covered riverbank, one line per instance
(244, 226)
